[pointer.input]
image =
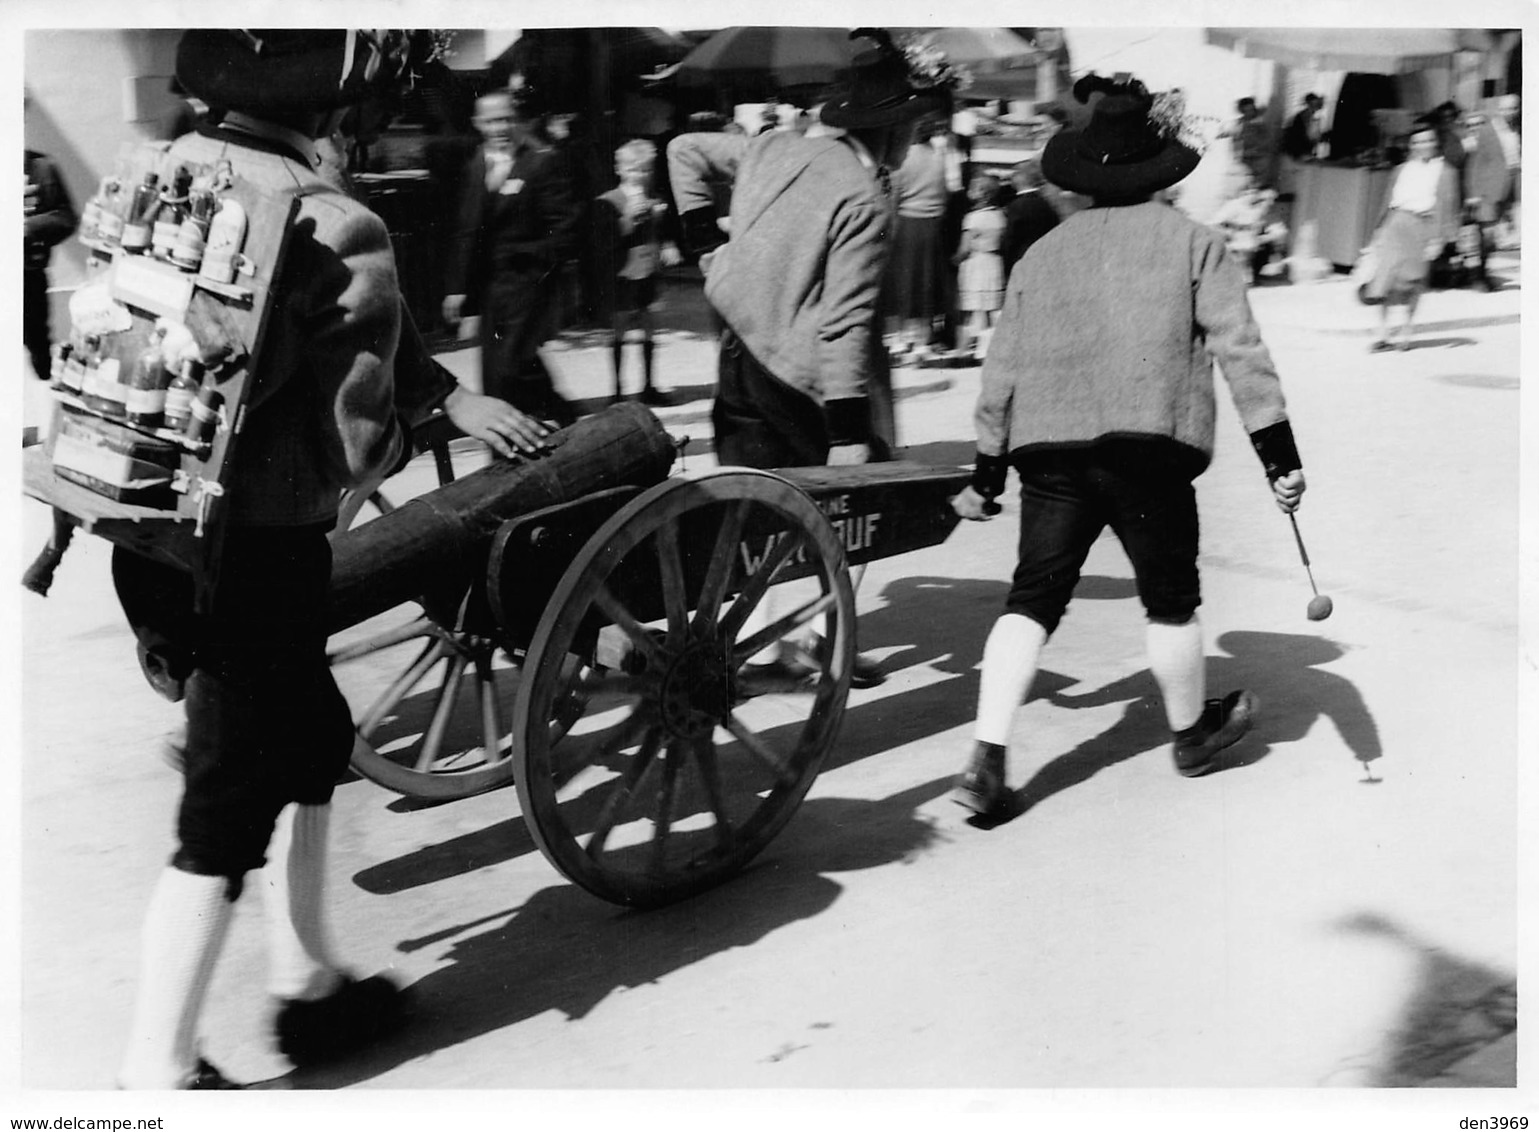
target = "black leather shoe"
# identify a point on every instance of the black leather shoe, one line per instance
(355, 1015)
(778, 676)
(1222, 724)
(866, 673)
(982, 787)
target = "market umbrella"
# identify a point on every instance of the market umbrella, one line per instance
(981, 50)
(1382, 51)
(767, 58)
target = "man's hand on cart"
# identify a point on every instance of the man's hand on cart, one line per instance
(970, 503)
(495, 423)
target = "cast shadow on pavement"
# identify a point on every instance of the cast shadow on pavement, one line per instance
(567, 951)
(1280, 668)
(1457, 1009)
(938, 621)
(1438, 343)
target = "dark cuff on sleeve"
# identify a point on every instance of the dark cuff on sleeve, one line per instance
(989, 475)
(1274, 444)
(700, 231)
(849, 421)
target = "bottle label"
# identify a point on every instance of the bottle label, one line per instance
(178, 407)
(144, 400)
(164, 237)
(90, 219)
(101, 388)
(205, 416)
(136, 236)
(190, 242)
(109, 227)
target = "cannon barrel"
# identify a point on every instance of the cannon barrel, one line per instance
(439, 541)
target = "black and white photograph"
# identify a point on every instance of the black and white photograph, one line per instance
(761, 570)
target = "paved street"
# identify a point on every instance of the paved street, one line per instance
(1338, 907)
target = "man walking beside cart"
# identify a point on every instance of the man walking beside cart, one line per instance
(803, 376)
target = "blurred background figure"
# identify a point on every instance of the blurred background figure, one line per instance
(584, 277)
(1487, 188)
(1253, 226)
(1300, 142)
(518, 223)
(918, 285)
(1420, 220)
(1253, 145)
(1029, 215)
(980, 268)
(1507, 122)
(50, 219)
(628, 241)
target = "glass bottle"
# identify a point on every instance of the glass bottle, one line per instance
(61, 355)
(102, 388)
(170, 213)
(192, 238)
(73, 377)
(145, 395)
(180, 393)
(204, 421)
(141, 215)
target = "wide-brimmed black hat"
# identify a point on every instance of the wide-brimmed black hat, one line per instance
(284, 70)
(883, 90)
(1123, 152)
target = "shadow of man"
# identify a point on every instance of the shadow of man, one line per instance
(1283, 669)
(567, 951)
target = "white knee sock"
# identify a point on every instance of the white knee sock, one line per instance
(294, 895)
(1176, 659)
(184, 931)
(1009, 665)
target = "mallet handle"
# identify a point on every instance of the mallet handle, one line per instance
(1298, 538)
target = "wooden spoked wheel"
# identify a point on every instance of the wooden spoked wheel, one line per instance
(438, 730)
(672, 768)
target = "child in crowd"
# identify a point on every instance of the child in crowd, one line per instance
(1253, 227)
(628, 220)
(981, 273)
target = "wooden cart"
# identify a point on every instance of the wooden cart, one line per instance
(577, 624)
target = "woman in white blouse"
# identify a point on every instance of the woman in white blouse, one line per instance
(1422, 215)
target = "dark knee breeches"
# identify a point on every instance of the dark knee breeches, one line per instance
(266, 725)
(1142, 490)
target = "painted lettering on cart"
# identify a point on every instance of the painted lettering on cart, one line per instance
(855, 532)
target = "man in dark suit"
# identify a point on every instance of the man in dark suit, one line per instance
(518, 222)
(1028, 216)
(50, 221)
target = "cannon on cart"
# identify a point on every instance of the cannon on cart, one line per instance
(577, 624)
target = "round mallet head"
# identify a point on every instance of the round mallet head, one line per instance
(1320, 607)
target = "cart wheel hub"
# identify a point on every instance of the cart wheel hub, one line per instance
(695, 695)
